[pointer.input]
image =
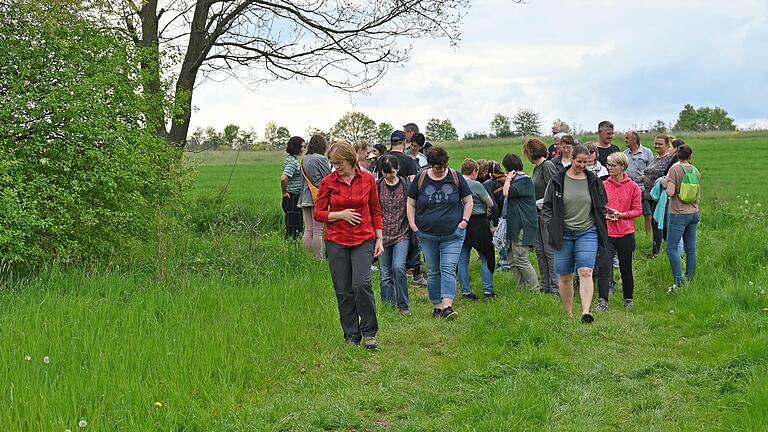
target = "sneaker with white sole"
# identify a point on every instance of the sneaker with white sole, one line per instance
(449, 314)
(419, 280)
(673, 288)
(602, 305)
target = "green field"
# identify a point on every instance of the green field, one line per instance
(237, 330)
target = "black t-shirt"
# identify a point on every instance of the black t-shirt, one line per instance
(406, 168)
(439, 206)
(602, 153)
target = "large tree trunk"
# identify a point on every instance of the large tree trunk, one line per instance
(197, 49)
(150, 65)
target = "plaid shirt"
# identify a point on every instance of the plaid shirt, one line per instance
(360, 196)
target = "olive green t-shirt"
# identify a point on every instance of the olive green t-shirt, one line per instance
(577, 204)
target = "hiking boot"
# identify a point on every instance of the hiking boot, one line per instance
(615, 261)
(602, 305)
(369, 342)
(449, 314)
(470, 296)
(437, 313)
(419, 280)
(405, 312)
(628, 303)
(587, 318)
(353, 341)
(490, 296)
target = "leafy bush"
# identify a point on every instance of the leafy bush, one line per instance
(81, 172)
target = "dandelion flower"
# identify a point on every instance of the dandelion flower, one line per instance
(159, 404)
(46, 360)
(82, 423)
(28, 358)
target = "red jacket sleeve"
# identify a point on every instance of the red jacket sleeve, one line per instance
(636, 209)
(374, 206)
(323, 202)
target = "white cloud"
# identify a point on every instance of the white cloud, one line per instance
(585, 61)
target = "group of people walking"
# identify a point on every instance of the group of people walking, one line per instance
(576, 209)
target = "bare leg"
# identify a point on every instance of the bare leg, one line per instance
(566, 293)
(648, 226)
(445, 303)
(586, 289)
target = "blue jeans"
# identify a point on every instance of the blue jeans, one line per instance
(441, 253)
(682, 226)
(394, 285)
(578, 250)
(487, 274)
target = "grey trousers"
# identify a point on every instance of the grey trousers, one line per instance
(350, 268)
(545, 255)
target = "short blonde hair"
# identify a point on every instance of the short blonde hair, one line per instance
(344, 150)
(468, 166)
(619, 158)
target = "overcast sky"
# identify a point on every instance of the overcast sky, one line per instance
(583, 61)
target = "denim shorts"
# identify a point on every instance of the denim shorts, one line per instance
(579, 250)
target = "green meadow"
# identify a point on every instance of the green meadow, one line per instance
(220, 325)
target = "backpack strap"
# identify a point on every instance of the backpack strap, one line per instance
(424, 174)
(421, 179)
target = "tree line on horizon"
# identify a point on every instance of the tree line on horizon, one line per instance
(358, 126)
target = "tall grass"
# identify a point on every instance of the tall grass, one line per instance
(239, 331)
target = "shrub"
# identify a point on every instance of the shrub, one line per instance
(81, 173)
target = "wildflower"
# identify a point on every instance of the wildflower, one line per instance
(672, 311)
(159, 404)
(765, 309)
(28, 358)
(67, 430)
(82, 423)
(46, 360)
(751, 283)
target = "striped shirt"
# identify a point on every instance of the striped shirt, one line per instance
(292, 171)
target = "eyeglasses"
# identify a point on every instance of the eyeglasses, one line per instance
(592, 152)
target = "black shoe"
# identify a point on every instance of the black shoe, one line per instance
(490, 296)
(449, 314)
(437, 313)
(353, 341)
(652, 255)
(470, 296)
(587, 318)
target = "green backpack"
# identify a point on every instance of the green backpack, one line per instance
(689, 187)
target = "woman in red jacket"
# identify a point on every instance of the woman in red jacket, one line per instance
(348, 203)
(624, 205)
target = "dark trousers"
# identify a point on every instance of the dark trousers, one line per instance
(294, 220)
(658, 235)
(624, 247)
(414, 256)
(350, 268)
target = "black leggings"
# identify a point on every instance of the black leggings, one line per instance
(624, 246)
(658, 235)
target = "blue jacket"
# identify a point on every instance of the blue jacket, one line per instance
(659, 195)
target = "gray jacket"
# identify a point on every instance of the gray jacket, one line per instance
(315, 167)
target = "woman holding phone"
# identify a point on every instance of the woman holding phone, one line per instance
(624, 205)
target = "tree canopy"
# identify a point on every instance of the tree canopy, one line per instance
(347, 44)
